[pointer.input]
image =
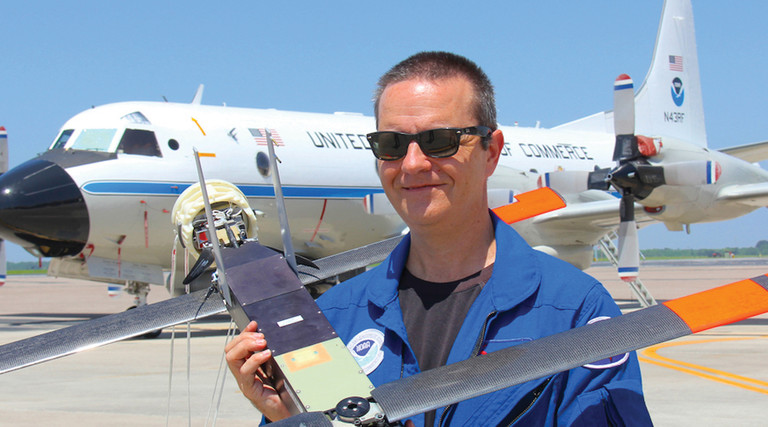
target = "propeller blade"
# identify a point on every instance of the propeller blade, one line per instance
(623, 106)
(479, 375)
(300, 260)
(571, 182)
(695, 172)
(650, 177)
(629, 249)
(352, 259)
(598, 180)
(204, 261)
(530, 204)
(626, 147)
(148, 318)
(107, 329)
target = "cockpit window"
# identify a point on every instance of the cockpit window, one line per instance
(141, 142)
(61, 141)
(94, 139)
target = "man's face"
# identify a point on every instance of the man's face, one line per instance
(427, 191)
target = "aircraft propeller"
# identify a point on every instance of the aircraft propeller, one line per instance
(449, 384)
(634, 177)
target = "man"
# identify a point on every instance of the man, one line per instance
(462, 283)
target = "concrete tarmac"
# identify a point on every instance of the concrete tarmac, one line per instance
(715, 378)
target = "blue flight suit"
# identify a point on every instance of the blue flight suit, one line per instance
(529, 295)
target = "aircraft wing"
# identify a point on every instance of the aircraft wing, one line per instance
(596, 214)
(755, 152)
(748, 194)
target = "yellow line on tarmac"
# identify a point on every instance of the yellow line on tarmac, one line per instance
(650, 355)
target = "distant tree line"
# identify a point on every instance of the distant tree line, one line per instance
(27, 265)
(702, 253)
(759, 250)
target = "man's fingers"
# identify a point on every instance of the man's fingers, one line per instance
(247, 332)
(252, 365)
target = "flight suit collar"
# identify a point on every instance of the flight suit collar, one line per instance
(515, 272)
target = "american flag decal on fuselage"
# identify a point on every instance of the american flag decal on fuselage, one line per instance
(260, 136)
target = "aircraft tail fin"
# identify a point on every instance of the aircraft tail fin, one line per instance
(669, 102)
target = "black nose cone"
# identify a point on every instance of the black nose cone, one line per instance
(41, 207)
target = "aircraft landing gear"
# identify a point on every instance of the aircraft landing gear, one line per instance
(140, 290)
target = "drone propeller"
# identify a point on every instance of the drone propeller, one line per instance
(151, 317)
(634, 177)
(204, 261)
(515, 365)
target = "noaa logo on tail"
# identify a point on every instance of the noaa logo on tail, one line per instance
(678, 93)
(366, 349)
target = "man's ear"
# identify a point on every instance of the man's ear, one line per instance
(495, 146)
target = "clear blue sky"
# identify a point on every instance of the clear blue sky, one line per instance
(551, 61)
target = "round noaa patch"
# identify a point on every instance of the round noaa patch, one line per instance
(609, 362)
(366, 348)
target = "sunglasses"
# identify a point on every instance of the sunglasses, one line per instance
(437, 143)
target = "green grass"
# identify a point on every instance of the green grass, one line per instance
(21, 272)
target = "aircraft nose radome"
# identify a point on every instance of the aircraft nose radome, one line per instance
(42, 207)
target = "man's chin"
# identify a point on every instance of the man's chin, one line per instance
(415, 215)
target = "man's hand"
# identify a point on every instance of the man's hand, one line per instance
(246, 354)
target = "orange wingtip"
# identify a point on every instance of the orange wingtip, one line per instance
(206, 154)
(530, 204)
(723, 305)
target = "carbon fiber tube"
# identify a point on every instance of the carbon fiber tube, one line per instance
(535, 359)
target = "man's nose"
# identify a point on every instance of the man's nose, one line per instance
(415, 159)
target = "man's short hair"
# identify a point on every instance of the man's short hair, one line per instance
(441, 65)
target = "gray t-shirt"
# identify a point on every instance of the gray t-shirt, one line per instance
(434, 312)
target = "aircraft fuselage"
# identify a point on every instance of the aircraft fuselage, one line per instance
(139, 159)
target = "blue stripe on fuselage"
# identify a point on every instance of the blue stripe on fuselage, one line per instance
(174, 189)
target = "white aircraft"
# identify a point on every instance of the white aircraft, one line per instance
(99, 200)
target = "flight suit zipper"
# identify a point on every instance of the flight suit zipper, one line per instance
(534, 396)
(475, 352)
